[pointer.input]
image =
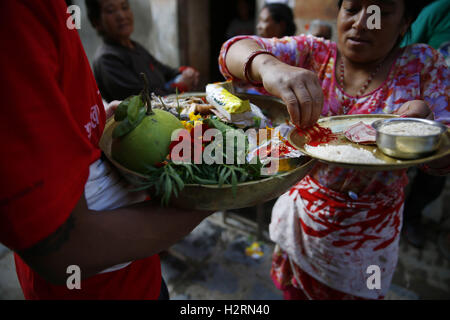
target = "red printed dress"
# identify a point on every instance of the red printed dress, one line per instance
(338, 225)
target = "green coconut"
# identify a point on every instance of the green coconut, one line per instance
(145, 135)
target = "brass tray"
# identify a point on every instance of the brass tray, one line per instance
(339, 123)
(213, 197)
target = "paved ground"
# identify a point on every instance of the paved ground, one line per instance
(211, 263)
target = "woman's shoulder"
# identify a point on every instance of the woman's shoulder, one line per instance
(424, 60)
(106, 51)
(109, 52)
(420, 51)
(307, 40)
(315, 42)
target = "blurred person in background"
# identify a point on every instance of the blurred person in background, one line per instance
(119, 60)
(244, 23)
(321, 29)
(276, 20)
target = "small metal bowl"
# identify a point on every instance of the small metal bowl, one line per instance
(406, 146)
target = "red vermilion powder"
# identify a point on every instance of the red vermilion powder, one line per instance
(317, 135)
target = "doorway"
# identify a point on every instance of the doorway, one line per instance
(221, 14)
(202, 27)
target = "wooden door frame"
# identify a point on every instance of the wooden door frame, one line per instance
(194, 35)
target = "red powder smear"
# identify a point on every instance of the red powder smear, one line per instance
(283, 150)
(338, 210)
(317, 135)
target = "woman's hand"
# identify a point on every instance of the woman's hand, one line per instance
(190, 78)
(420, 109)
(415, 109)
(111, 108)
(299, 88)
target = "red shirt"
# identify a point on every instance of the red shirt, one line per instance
(52, 120)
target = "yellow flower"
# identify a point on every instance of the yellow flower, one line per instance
(193, 116)
(187, 125)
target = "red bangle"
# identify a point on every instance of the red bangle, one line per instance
(248, 63)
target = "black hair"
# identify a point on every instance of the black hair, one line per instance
(412, 10)
(94, 10)
(282, 13)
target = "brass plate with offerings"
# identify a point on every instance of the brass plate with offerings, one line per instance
(342, 152)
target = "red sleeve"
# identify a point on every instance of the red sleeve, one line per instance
(51, 120)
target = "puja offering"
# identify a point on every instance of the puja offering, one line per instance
(195, 165)
(358, 142)
(140, 126)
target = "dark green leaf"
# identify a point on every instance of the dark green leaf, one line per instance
(234, 182)
(122, 129)
(204, 181)
(122, 110)
(188, 168)
(135, 108)
(175, 192)
(178, 181)
(168, 187)
(226, 174)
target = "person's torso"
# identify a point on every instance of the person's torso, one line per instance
(133, 62)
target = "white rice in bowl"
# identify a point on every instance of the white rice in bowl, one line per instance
(410, 129)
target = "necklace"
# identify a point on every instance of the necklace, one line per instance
(363, 89)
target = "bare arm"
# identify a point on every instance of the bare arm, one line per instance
(299, 88)
(96, 240)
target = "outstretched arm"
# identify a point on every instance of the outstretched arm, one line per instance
(97, 240)
(299, 88)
